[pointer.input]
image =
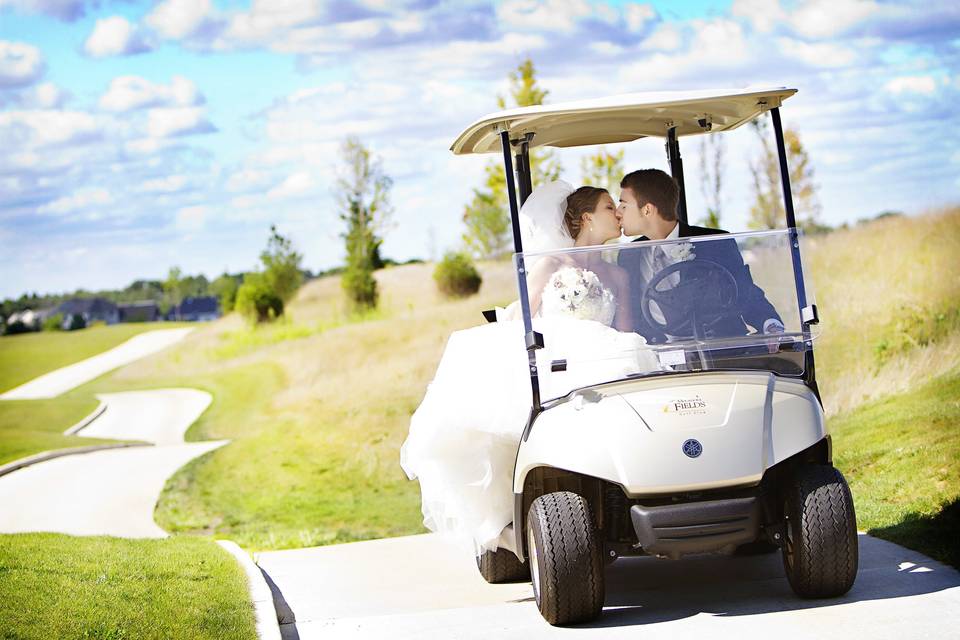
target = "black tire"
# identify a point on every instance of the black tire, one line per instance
(820, 553)
(565, 558)
(502, 565)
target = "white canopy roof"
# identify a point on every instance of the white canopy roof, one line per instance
(621, 118)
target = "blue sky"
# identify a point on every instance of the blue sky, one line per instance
(142, 135)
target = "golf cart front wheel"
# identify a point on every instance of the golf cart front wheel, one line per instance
(565, 555)
(501, 566)
(820, 550)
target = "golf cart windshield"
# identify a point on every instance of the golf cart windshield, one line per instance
(721, 302)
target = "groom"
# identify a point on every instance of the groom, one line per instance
(648, 208)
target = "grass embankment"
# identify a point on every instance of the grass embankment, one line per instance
(57, 586)
(31, 426)
(901, 456)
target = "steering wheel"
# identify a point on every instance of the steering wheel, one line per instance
(707, 292)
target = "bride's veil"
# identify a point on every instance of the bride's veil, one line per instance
(541, 218)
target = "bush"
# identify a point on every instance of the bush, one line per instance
(256, 301)
(456, 276)
(360, 286)
(53, 323)
(16, 327)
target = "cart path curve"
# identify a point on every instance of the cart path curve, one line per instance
(111, 492)
(427, 587)
(52, 384)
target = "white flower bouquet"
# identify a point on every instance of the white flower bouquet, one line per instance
(578, 293)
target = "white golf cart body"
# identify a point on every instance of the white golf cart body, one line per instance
(686, 445)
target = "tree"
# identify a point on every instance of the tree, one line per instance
(603, 169)
(256, 301)
(711, 178)
(281, 266)
(767, 211)
(225, 288)
(172, 291)
(487, 217)
(363, 191)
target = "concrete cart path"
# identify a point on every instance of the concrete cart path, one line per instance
(52, 384)
(426, 587)
(110, 492)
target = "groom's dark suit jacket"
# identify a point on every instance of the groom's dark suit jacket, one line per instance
(753, 308)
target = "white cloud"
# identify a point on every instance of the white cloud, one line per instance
(48, 96)
(113, 36)
(26, 129)
(78, 201)
(924, 85)
(20, 64)
(66, 10)
(637, 16)
(666, 38)
(267, 17)
(166, 122)
(762, 14)
(818, 54)
(133, 92)
(191, 218)
(166, 184)
(543, 15)
(825, 18)
(178, 19)
(295, 184)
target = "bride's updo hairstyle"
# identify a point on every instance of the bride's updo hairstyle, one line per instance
(583, 200)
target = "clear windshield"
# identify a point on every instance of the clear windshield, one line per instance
(640, 308)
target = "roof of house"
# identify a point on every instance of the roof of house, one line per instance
(93, 306)
(200, 304)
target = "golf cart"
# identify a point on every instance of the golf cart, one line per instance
(708, 442)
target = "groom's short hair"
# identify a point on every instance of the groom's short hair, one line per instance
(655, 187)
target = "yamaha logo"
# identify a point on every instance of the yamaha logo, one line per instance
(692, 448)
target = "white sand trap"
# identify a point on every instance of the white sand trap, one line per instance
(111, 492)
(52, 384)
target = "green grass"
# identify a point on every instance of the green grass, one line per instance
(31, 426)
(25, 356)
(57, 586)
(901, 456)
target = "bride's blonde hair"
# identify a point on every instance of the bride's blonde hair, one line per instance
(583, 200)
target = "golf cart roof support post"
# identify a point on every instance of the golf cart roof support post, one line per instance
(521, 270)
(676, 170)
(809, 371)
(524, 179)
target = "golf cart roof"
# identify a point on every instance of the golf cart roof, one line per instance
(621, 118)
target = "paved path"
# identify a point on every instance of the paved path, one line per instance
(110, 492)
(425, 587)
(62, 380)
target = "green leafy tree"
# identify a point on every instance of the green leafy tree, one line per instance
(487, 216)
(225, 288)
(363, 191)
(256, 301)
(172, 290)
(711, 178)
(281, 266)
(603, 169)
(767, 211)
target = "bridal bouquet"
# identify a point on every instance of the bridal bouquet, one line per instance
(578, 293)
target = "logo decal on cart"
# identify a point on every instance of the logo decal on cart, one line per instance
(692, 448)
(686, 406)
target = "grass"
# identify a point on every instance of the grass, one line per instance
(25, 356)
(31, 426)
(98, 588)
(901, 456)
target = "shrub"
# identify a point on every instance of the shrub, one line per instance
(360, 286)
(53, 322)
(74, 322)
(456, 276)
(16, 327)
(256, 301)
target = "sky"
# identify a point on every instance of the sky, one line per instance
(137, 136)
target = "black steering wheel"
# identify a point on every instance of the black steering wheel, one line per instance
(707, 292)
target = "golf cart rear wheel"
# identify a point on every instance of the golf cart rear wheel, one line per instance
(501, 566)
(565, 556)
(820, 550)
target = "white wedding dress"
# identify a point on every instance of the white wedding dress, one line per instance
(464, 437)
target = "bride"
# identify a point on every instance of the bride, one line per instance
(464, 437)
